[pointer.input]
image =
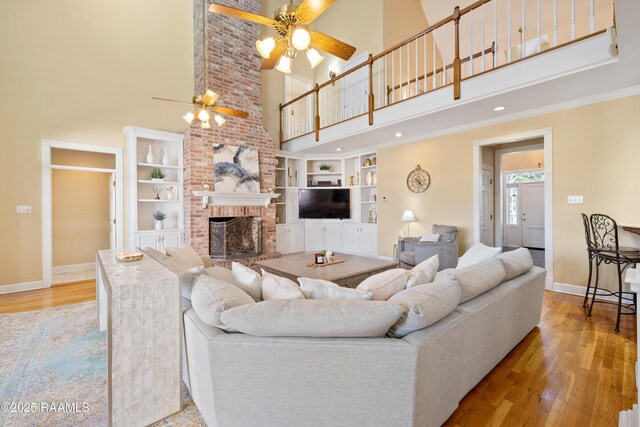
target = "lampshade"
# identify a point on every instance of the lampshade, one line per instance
(205, 125)
(284, 65)
(301, 39)
(265, 46)
(408, 216)
(188, 117)
(203, 115)
(219, 120)
(314, 57)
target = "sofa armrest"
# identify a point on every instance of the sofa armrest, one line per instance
(206, 259)
(407, 243)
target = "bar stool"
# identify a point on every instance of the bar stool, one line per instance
(604, 231)
(591, 254)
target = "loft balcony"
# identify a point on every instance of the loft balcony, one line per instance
(451, 75)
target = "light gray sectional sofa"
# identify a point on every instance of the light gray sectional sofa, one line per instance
(243, 380)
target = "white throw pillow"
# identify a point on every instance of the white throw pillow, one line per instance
(477, 253)
(479, 278)
(324, 289)
(314, 318)
(385, 284)
(248, 280)
(188, 278)
(276, 287)
(423, 272)
(430, 237)
(424, 305)
(516, 263)
(187, 255)
(210, 297)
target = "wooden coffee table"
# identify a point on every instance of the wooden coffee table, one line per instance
(349, 273)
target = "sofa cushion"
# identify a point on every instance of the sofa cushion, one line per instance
(430, 237)
(220, 273)
(385, 284)
(314, 318)
(446, 274)
(324, 289)
(186, 254)
(276, 287)
(424, 305)
(248, 280)
(479, 278)
(423, 272)
(477, 253)
(211, 297)
(516, 263)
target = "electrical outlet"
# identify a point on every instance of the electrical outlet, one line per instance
(575, 200)
(22, 209)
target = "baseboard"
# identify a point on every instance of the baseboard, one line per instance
(565, 288)
(21, 287)
(74, 267)
(386, 258)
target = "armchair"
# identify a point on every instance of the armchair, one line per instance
(411, 251)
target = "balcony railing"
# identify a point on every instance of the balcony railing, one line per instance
(490, 33)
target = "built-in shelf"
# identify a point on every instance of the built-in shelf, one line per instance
(158, 201)
(368, 167)
(280, 169)
(368, 186)
(217, 198)
(151, 165)
(324, 173)
(148, 181)
(153, 230)
(369, 203)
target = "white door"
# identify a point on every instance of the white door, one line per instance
(314, 237)
(512, 230)
(295, 238)
(368, 240)
(149, 241)
(355, 88)
(333, 237)
(281, 238)
(300, 115)
(350, 239)
(293, 205)
(532, 198)
(486, 207)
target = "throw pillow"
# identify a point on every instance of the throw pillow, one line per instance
(446, 274)
(430, 237)
(516, 263)
(423, 272)
(276, 287)
(211, 297)
(187, 255)
(479, 278)
(424, 305)
(477, 253)
(314, 318)
(248, 280)
(188, 279)
(324, 289)
(385, 284)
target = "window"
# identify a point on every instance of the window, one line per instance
(512, 205)
(524, 177)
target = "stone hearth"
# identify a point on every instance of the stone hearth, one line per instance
(233, 71)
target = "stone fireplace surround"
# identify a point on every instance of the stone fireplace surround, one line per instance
(233, 71)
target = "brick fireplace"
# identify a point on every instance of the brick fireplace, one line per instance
(233, 71)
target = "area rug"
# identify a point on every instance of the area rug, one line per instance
(53, 370)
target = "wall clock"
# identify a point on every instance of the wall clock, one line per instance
(418, 180)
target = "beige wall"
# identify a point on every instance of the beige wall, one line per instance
(593, 146)
(523, 160)
(79, 72)
(80, 216)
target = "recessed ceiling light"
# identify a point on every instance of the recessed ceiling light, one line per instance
(398, 134)
(338, 149)
(500, 108)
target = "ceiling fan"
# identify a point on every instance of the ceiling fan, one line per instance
(291, 22)
(205, 107)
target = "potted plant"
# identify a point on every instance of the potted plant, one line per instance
(325, 167)
(156, 174)
(159, 216)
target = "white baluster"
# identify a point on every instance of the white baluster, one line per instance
(555, 22)
(539, 44)
(444, 57)
(393, 78)
(408, 71)
(400, 72)
(592, 20)
(433, 37)
(573, 19)
(425, 63)
(495, 33)
(508, 31)
(523, 50)
(482, 47)
(470, 17)
(416, 91)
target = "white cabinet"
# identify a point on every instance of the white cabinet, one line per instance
(360, 239)
(281, 238)
(350, 237)
(323, 235)
(159, 240)
(290, 238)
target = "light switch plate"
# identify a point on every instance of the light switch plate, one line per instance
(575, 200)
(22, 209)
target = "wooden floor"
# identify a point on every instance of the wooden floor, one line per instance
(571, 371)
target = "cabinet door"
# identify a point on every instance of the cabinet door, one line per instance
(314, 237)
(333, 237)
(281, 238)
(148, 241)
(292, 205)
(368, 240)
(350, 237)
(295, 238)
(171, 240)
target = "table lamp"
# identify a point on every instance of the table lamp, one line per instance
(408, 217)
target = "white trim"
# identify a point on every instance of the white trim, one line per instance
(491, 170)
(565, 288)
(384, 258)
(547, 134)
(47, 209)
(74, 267)
(21, 287)
(82, 169)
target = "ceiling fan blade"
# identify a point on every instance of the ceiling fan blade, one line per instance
(274, 57)
(309, 10)
(331, 45)
(230, 112)
(172, 100)
(237, 13)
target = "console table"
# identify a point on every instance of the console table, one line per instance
(139, 306)
(631, 418)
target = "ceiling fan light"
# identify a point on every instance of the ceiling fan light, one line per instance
(189, 117)
(314, 57)
(203, 115)
(284, 65)
(219, 120)
(265, 46)
(301, 39)
(210, 97)
(205, 125)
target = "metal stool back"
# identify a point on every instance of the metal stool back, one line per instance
(591, 254)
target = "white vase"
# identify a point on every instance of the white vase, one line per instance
(169, 194)
(165, 158)
(159, 225)
(150, 156)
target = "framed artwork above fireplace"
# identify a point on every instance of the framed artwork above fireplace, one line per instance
(236, 169)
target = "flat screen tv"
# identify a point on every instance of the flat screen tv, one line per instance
(320, 203)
